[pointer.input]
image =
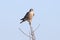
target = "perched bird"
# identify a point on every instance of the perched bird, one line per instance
(28, 16)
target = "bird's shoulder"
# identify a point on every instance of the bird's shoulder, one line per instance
(26, 15)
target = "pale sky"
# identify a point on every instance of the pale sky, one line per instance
(47, 14)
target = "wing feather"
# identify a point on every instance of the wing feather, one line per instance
(26, 15)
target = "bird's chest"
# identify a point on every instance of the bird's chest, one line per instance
(31, 14)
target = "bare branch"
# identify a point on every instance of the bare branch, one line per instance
(32, 33)
(36, 28)
(24, 33)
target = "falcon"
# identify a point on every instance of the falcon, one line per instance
(28, 17)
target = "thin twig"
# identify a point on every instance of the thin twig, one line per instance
(24, 33)
(36, 28)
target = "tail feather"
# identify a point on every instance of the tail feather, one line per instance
(22, 20)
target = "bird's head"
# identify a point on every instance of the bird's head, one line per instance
(31, 9)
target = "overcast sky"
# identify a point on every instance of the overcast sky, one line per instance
(47, 14)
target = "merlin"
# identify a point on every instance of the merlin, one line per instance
(28, 17)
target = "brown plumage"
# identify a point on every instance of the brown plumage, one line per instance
(28, 16)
